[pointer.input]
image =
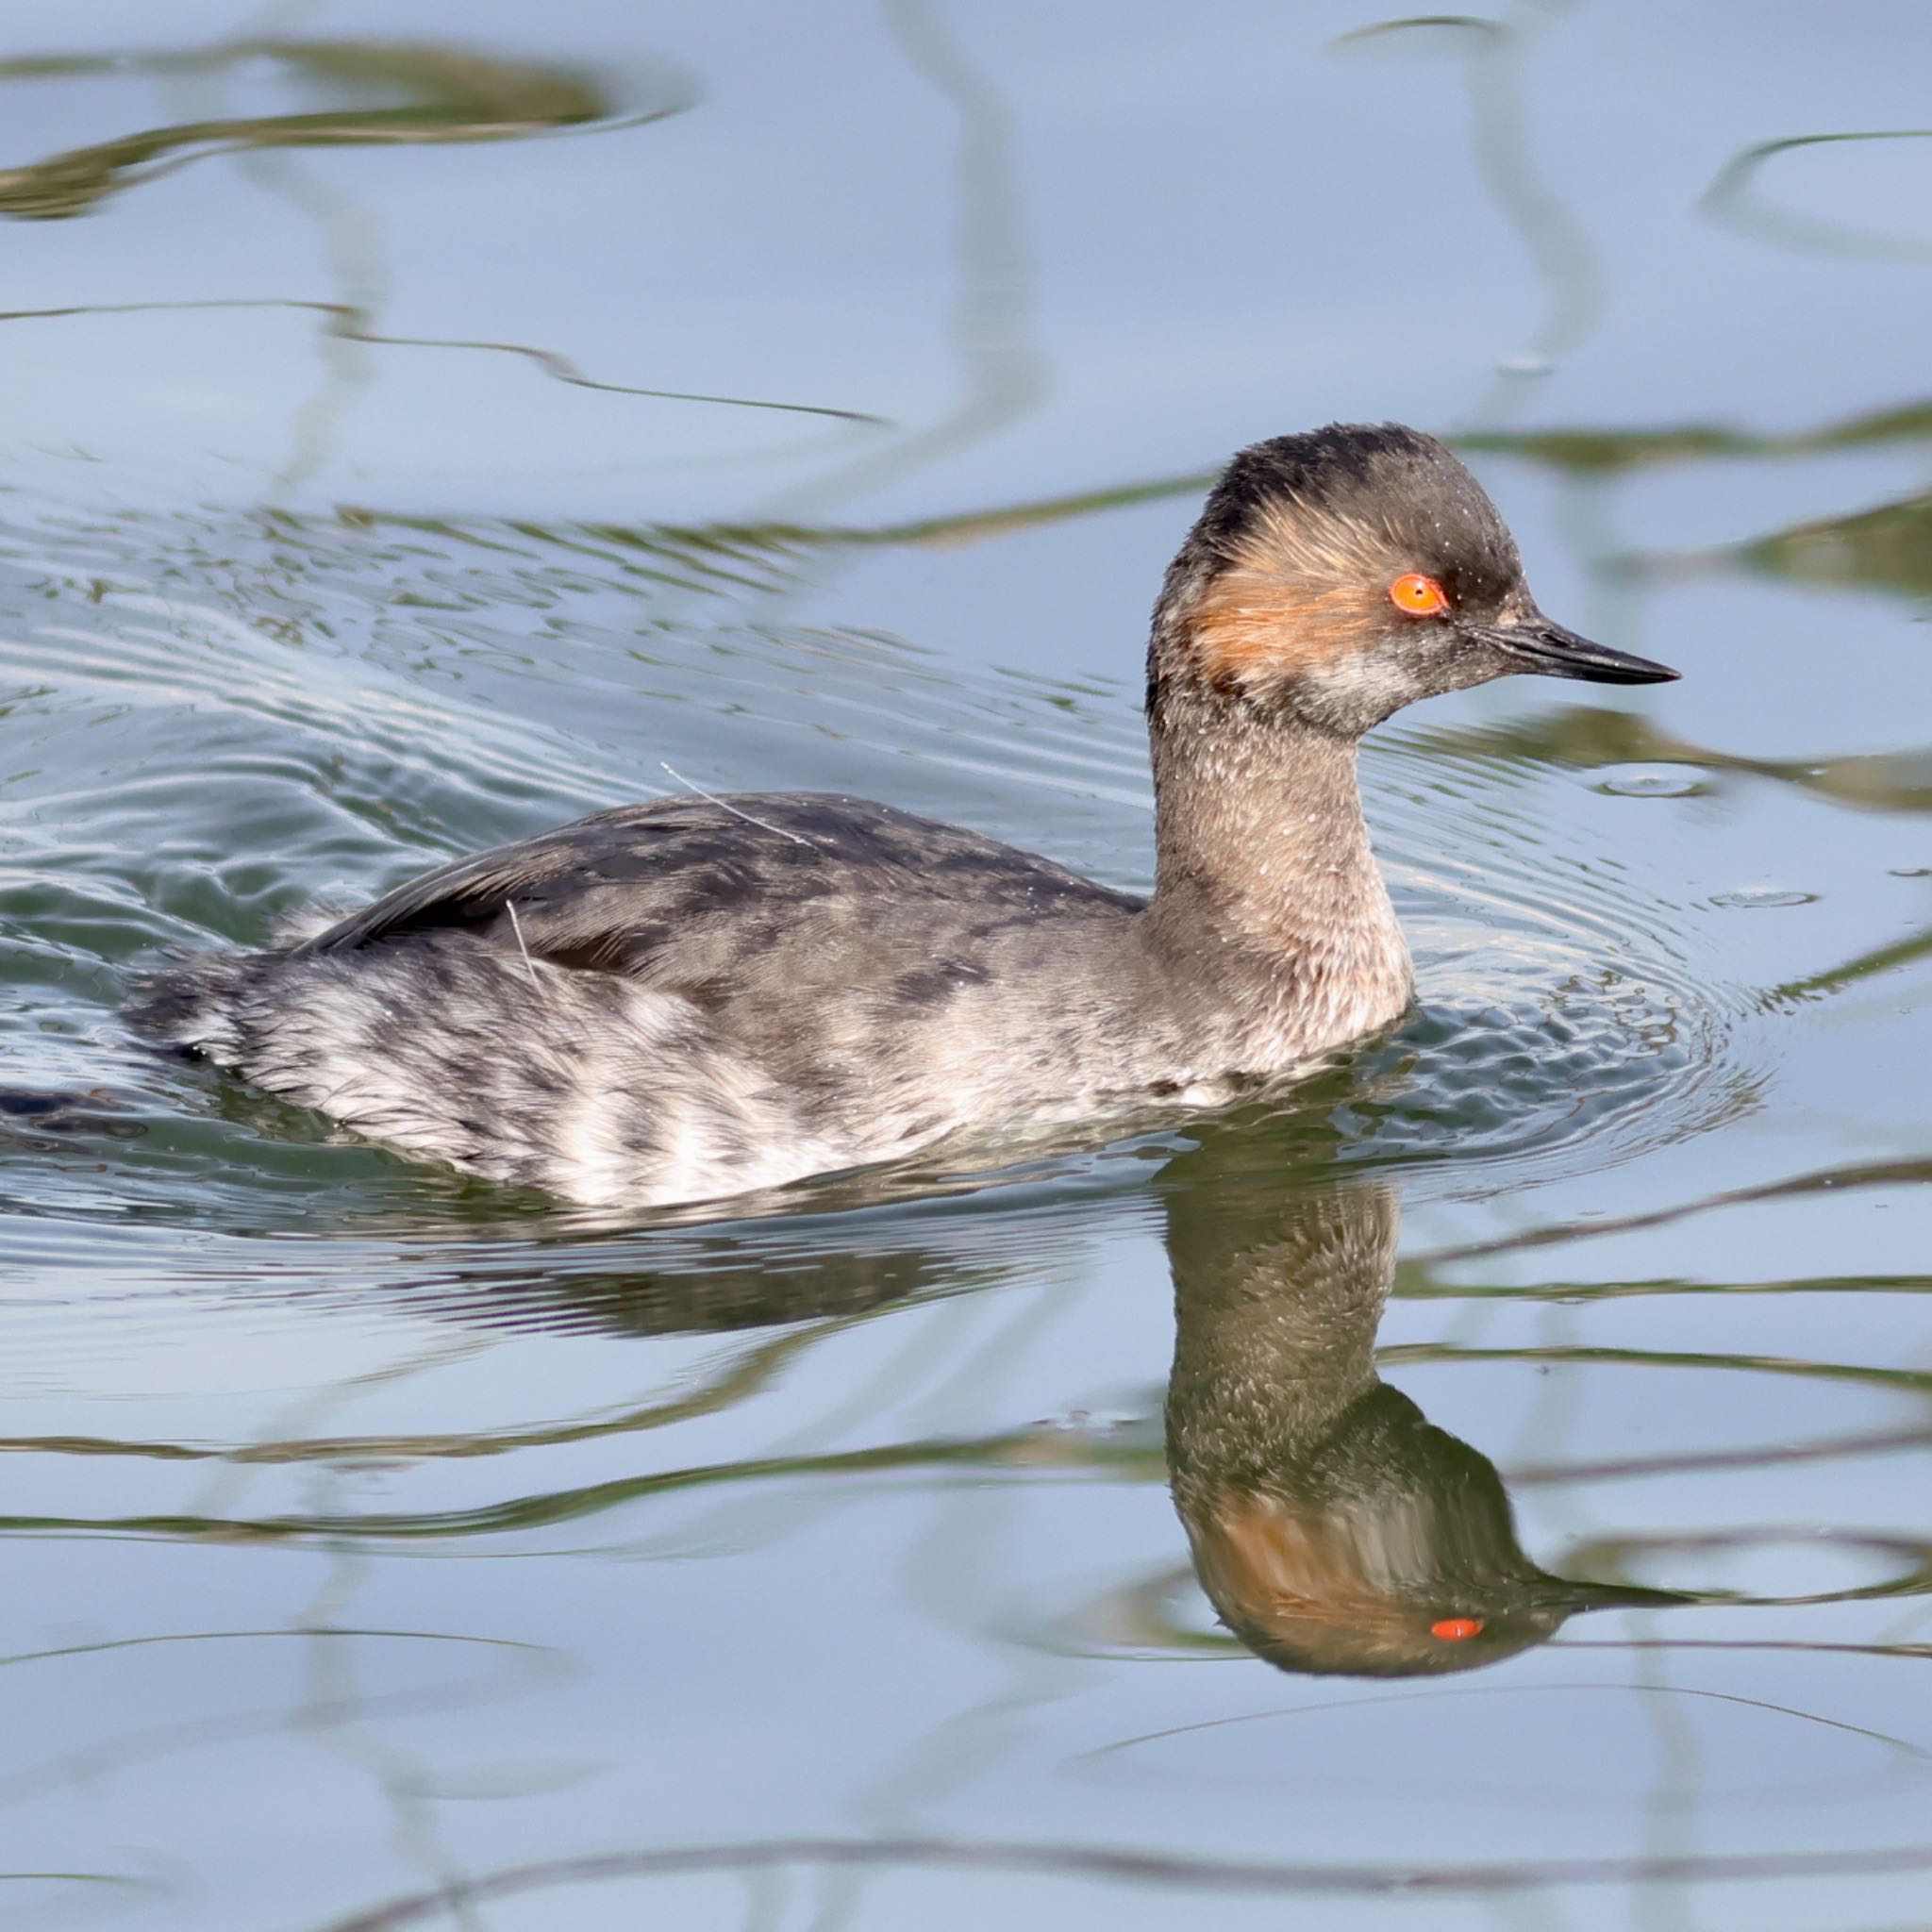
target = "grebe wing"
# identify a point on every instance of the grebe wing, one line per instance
(609, 892)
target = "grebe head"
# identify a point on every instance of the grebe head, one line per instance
(1386, 1548)
(1337, 576)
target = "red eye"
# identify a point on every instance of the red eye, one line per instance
(1417, 595)
(1455, 1629)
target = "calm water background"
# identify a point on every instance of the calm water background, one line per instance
(422, 424)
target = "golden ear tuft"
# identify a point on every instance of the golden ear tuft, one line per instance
(1417, 595)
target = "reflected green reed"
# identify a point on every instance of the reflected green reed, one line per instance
(451, 94)
(914, 1546)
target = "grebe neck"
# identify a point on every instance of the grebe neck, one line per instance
(1259, 832)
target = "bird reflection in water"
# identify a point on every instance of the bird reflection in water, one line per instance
(1334, 1527)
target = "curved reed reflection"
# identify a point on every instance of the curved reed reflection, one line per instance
(449, 94)
(1333, 1526)
(1493, 54)
(1118, 1865)
(1735, 198)
(518, 1671)
(354, 322)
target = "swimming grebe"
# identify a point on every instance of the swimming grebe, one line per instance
(700, 997)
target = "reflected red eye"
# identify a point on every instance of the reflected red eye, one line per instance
(1457, 1629)
(1419, 595)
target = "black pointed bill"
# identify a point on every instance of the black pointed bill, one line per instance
(1547, 648)
(1570, 1595)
